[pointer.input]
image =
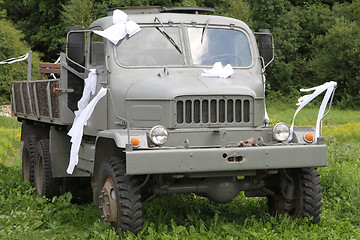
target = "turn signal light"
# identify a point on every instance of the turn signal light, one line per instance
(135, 141)
(309, 137)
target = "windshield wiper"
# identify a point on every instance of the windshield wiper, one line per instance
(204, 30)
(163, 32)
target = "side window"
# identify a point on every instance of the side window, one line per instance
(97, 50)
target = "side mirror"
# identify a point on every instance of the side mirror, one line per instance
(75, 45)
(266, 46)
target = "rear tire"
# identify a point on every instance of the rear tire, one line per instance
(28, 158)
(45, 184)
(305, 201)
(119, 196)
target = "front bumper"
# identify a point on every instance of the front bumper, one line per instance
(221, 159)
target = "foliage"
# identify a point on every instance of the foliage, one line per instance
(238, 9)
(314, 43)
(340, 62)
(11, 46)
(78, 13)
(41, 24)
(2, 11)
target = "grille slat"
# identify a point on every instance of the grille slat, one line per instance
(188, 117)
(215, 110)
(205, 111)
(230, 110)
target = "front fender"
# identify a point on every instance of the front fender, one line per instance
(121, 138)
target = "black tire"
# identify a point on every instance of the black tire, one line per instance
(306, 199)
(119, 196)
(28, 157)
(45, 184)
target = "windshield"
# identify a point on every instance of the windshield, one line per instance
(150, 47)
(210, 45)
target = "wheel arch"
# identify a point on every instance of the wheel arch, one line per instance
(38, 129)
(105, 148)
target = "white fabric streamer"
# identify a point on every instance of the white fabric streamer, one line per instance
(304, 100)
(14, 60)
(57, 61)
(218, 71)
(86, 108)
(120, 29)
(89, 89)
(267, 119)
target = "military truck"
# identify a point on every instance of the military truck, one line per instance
(163, 127)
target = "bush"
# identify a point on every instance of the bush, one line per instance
(11, 46)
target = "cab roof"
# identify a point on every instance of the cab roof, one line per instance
(174, 15)
(158, 9)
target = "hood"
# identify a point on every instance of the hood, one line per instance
(173, 83)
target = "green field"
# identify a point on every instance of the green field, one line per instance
(23, 215)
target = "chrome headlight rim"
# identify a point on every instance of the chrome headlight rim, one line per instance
(158, 135)
(281, 131)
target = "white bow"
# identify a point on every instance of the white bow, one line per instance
(304, 100)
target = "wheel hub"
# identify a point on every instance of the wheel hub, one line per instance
(108, 202)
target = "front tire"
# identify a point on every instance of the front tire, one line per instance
(119, 196)
(297, 193)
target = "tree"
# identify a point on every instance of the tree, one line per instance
(338, 59)
(11, 46)
(238, 9)
(40, 22)
(78, 13)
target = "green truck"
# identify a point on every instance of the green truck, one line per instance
(169, 121)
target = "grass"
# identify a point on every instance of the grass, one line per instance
(9, 141)
(23, 215)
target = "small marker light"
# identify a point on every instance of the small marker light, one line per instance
(309, 137)
(135, 141)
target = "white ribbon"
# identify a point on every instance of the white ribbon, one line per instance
(57, 61)
(14, 60)
(120, 29)
(86, 108)
(218, 71)
(267, 119)
(304, 100)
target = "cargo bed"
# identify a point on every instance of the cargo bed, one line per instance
(46, 100)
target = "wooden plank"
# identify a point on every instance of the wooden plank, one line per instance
(49, 68)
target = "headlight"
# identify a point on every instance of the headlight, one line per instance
(158, 135)
(281, 131)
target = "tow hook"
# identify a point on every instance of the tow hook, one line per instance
(251, 142)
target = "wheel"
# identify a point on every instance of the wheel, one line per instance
(45, 184)
(28, 158)
(297, 193)
(119, 196)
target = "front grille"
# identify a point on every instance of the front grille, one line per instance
(214, 110)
